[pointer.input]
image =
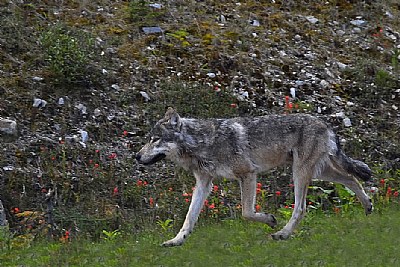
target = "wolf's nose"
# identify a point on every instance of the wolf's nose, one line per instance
(138, 157)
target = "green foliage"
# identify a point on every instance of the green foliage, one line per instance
(181, 36)
(384, 79)
(165, 225)
(111, 235)
(67, 51)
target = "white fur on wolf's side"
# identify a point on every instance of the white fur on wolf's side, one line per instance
(240, 148)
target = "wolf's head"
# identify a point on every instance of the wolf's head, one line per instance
(162, 141)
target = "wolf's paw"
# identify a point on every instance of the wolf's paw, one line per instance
(369, 208)
(281, 235)
(271, 220)
(173, 242)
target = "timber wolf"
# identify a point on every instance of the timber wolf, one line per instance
(240, 148)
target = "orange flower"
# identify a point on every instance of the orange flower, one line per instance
(258, 208)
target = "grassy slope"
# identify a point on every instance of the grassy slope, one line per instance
(348, 240)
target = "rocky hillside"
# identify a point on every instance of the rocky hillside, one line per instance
(84, 81)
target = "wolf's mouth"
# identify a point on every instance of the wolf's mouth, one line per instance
(153, 160)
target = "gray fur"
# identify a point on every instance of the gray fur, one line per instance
(240, 148)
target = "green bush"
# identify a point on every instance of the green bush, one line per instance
(67, 53)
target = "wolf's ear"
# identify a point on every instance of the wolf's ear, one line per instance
(173, 118)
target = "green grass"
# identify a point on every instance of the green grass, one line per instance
(351, 239)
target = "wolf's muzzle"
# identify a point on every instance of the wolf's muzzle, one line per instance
(150, 161)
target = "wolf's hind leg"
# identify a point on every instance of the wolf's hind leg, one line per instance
(248, 190)
(301, 180)
(201, 192)
(332, 175)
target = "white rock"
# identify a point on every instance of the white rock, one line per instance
(211, 75)
(8, 126)
(293, 92)
(312, 19)
(347, 122)
(145, 95)
(39, 103)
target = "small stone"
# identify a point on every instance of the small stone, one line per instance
(211, 75)
(324, 83)
(39, 103)
(340, 32)
(84, 136)
(312, 19)
(61, 101)
(8, 168)
(156, 6)
(255, 23)
(8, 126)
(96, 112)
(358, 22)
(152, 30)
(145, 95)
(341, 65)
(340, 115)
(37, 79)
(293, 92)
(115, 87)
(347, 122)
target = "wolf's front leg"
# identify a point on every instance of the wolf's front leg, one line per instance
(201, 192)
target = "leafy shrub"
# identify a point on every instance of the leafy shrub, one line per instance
(67, 52)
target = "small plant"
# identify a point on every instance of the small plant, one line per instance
(67, 52)
(111, 235)
(384, 79)
(165, 225)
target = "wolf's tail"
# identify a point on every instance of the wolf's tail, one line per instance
(354, 167)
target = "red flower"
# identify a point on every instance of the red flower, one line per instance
(258, 190)
(396, 194)
(206, 202)
(389, 191)
(233, 105)
(382, 181)
(125, 133)
(115, 191)
(112, 156)
(212, 206)
(278, 193)
(96, 165)
(259, 185)
(258, 208)
(66, 235)
(215, 188)
(97, 151)
(16, 210)
(187, 200)
(139, 183)
(151, 202)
